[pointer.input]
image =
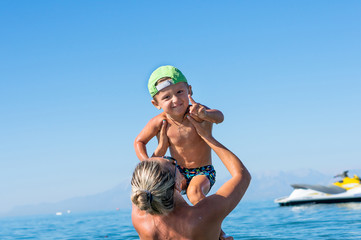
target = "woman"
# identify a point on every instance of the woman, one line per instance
(160, 212)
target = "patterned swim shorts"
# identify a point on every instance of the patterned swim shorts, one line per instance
(208, 171)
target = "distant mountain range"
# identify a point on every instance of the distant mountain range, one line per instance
(271, 185)
(117, 197)
(264, 186)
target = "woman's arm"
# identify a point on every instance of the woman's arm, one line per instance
(163, 142)
(231, 192)
(149, 131)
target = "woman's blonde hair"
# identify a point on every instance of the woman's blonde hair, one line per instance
(153, 187)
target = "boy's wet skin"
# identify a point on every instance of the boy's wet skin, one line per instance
(172, 94)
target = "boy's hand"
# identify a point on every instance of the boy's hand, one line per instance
(163, 142)
(197, 110)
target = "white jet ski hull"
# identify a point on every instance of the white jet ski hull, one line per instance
(307, 196)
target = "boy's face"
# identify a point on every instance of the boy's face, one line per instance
(173, 99)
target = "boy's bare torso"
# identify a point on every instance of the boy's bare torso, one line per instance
(185, 144)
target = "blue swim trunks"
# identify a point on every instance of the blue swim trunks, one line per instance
(208, 171)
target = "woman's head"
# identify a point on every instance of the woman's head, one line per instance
(153, 186)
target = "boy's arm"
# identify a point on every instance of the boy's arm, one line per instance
(204, 113)
(213, 116)
(148, 132)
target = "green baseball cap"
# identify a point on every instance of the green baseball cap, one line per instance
(164, 71)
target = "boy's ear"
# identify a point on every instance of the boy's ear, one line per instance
(190, 90)
(155, 104)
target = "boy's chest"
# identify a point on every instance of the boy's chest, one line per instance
(182, 134)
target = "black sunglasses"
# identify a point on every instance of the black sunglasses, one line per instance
(174, 162)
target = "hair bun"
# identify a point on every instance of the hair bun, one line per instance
(143, 199)
(149, 196)
(153, 187)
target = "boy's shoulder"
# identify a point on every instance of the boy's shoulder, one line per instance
(157, 120)
(161, 116)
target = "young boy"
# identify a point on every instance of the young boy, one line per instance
(171, 93)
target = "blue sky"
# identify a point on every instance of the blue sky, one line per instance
(73, 96)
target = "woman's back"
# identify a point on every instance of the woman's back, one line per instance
(184, 222)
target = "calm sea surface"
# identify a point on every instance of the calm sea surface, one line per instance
(250, 220)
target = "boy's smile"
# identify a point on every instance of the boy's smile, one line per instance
(173, 100)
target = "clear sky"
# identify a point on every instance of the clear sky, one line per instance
(73, 95)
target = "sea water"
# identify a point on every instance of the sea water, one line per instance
(250, 220)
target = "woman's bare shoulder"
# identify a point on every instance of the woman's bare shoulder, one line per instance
(142, 223)
(200, 221)
(210, 208)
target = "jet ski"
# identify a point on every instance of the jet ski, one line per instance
(345, 190)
